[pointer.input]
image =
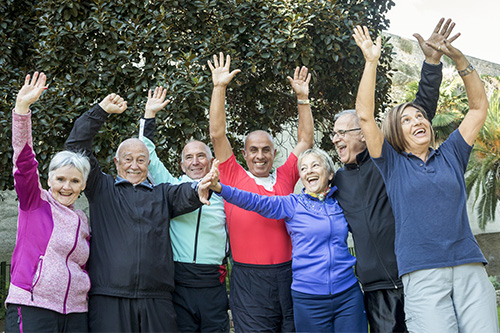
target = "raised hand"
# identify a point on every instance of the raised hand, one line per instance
(30, 92)
(220, 70)
(156, 102)
(113, 103)
(441, 32)
(371, 51)
(455, 54)
(300, 82)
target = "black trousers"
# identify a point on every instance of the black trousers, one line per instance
(261, 299)
(201, 309)
(21, 318)
(117, 314)
(385, 310)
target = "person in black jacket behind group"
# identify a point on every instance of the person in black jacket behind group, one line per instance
(131, 263)
(362, 195)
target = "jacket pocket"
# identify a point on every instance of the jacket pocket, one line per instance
(36, 276)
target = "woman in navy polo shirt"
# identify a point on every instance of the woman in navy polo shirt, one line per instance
(441, 265)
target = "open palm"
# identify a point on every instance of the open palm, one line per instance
(371, 51)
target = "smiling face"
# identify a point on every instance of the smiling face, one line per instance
(350, 144)
(196, 161)
(259, 153)
(132, 161)
(416, 129)
(65, 184)
(314, 174)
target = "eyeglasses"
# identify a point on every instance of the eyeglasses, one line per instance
(343, 132)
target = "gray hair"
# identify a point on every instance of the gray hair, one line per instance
(351, 112)
(127, 141)
(207, 149)
(327, 160)
(70, 158)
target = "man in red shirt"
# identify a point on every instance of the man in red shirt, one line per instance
(261, 277)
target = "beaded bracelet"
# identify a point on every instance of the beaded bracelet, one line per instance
(466, 71)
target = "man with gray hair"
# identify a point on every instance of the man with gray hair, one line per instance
(362, 194)
(199, 238)
(130, 263)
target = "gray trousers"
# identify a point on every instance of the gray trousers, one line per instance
(450, 299)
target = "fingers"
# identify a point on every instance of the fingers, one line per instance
(449, 29)
(438, 26)
(221, 59)
(419, 38)
(451, 39)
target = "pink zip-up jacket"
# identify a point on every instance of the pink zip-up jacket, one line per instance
(52, 245)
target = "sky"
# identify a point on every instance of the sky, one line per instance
(477, 21)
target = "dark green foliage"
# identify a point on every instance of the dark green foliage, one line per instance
(90, 48)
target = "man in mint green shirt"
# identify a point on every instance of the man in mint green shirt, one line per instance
(199, 238)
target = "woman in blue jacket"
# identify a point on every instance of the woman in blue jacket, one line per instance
(326, 295)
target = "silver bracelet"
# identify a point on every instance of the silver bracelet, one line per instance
(466, 71)
(302, 101)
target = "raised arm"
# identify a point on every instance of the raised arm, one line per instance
(156, 102)
(26, 180)
(365, 100)
(305, 131)
(220, 78)
(87, 126)
(431, 74)
(478, 101)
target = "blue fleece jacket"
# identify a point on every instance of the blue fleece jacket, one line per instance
(321, 262)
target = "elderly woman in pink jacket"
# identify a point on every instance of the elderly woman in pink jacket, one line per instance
(49, 284)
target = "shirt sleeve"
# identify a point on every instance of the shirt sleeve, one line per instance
(289, 172)
(456, 145)
(81, 140)
(387, 160)
(26, 177)
(231, 172)
(428, 88)
(156, 168)
(275, 207)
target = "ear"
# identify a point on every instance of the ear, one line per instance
(275, 152)
(48, 182)
(116, 162)
(244, 152)
(330, 176)
(363, 139)
(182, 167)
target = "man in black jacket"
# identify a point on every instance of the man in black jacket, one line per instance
(362, 195)
(131, 264)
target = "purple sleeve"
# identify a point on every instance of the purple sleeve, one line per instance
(275, 207)
(26, 178)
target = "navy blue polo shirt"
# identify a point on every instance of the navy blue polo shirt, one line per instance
(429, 202)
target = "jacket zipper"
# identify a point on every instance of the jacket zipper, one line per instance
(196, 236)
(69, 271)
(329, 248)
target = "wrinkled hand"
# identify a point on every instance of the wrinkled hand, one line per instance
(441, 32)
(30, 92)
(156, 102)
(113, 103)
(445, 47)
(220, 70)
(300, 82)
(371, 51)
(209, 182)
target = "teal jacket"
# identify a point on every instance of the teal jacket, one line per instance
(200, 236)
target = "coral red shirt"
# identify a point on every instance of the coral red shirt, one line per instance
(255, 239)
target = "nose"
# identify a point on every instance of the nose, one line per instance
(134, 165)
(66, 185)
(335, 138)
(195, 161)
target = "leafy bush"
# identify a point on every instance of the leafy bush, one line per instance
(89, 49)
